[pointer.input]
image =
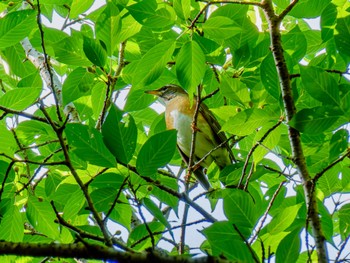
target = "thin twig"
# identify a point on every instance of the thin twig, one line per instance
(245, 166)
(319, 174)
(194, 135)
(341, 249)
(183, 225)
(287, 9)
(263, 219)
(22, 114)
(8, 170)
(116, 199)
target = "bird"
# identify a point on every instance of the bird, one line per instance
(179, 112)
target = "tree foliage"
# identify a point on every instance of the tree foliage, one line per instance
(82, 154)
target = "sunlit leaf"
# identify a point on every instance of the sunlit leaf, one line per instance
(190, 65)
(15, 26)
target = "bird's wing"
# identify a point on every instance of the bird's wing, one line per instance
(219, 135)
(200, 176)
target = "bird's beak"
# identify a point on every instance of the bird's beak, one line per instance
(153, 92)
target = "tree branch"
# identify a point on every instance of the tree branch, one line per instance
(92, 251)
(294, 135)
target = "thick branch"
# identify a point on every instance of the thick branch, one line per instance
(294, 135)
(90, 251)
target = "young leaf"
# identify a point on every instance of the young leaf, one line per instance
(120, 134)
(156, 152)
(87, 143)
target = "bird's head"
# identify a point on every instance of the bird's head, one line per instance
(168, 92)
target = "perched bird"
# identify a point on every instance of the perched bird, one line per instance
(179, 115)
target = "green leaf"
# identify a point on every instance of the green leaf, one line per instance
(140, 232)
(52, 181)
(11, 227)
(289, 248)
(109, 25)
(283, 220)
(155, 211)
(70, 51)
(316, 120)
(342, 35)
(182, 8)
(328, 21)
(329, 183)
(225, 241)
(87, 143)
(8, 142)
(163, 18)
(112, 180)
(78, 83)
(130, 27)
(240, 210)
(122, 212)
(309, 8)
(142, 10)
(153, 63)
(164, 196)
(247, 121)
(338, 143)
(120, 134)
(79, 7)
(156, 152)
(270, 142)
(137, 100)
(190, 66)
(15, 26)
(20, 99)
(320, 85)
(42, 217)
(220, 27)
(344, 221)
(74, 204)
(269, 77)
(294, 42)
(98, 96)
(103, 198)
(94, 52)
